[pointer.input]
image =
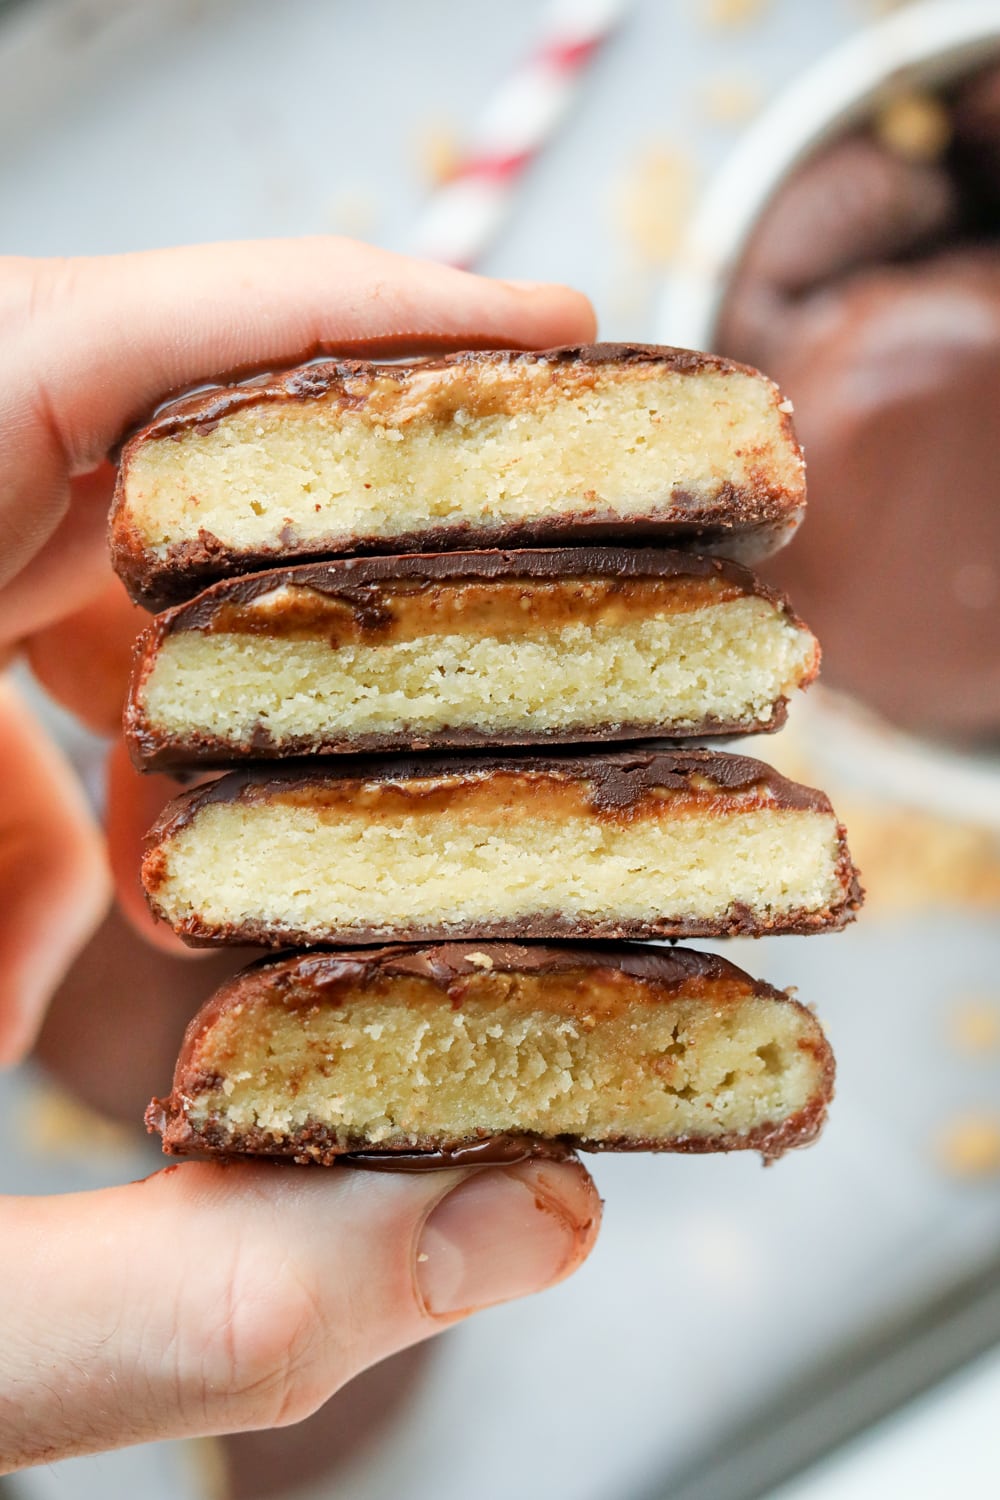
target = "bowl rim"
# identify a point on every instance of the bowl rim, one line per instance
(926, 43)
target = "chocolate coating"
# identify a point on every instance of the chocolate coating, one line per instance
(488, 1151)
(315, 1145)
(353, 579)
(745, 522)
(445, 965)
(356, 583)
(618, 780)
(314, 977)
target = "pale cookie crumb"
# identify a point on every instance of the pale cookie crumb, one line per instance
(54, 1124)
(652, 201)
(354, 212)
(730, 662)
(970, 1146)
(729, 100)
(733, 12)
(284, 869)
(657, 1066)
(974, 1025)
(910, 860)
(459, 449)
(438, 151)
(205, 1462)
(914, 126)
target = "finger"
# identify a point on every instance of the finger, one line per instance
(73, 571)
(54, 885)
(132, 805)
(116, 1021)
(213, 1299)
(84, 658)
(90, 344)
(133, 327)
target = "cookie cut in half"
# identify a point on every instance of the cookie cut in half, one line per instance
(465, 649)
(459, 1053)
(638, 844)
(476, 449)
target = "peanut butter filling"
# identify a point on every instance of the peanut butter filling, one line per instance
(449, 393)
(501, 609)
(590, 996)
(504, 799)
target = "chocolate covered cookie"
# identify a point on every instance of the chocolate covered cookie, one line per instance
(463, 650)
(492, 1052)
(638, 844)
(475, 449)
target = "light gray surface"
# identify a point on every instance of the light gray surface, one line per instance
(713, 1281)
(206, 119)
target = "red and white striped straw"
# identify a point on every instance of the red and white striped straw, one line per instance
(463, 217)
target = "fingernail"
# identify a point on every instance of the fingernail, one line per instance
(504, 1234)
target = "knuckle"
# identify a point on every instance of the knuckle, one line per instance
(32, 290)
(34, 298)
(55, 285)
(270, 1357)
(19, 280)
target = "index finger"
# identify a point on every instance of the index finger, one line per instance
(92, 344)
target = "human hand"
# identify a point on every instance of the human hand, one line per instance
(208, 1298)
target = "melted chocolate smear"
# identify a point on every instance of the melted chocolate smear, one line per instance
(492, 1151)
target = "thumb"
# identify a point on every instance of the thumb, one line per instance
(214, 1298)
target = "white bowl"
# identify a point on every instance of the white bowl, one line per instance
(924, 44)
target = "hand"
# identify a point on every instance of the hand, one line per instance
(207, 1298)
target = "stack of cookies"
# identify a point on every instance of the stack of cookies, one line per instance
(432, 595)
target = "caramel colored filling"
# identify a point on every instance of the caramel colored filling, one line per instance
(596, 1056)
(503, 609)
(496, 798)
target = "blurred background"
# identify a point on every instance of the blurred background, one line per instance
(814, 188)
